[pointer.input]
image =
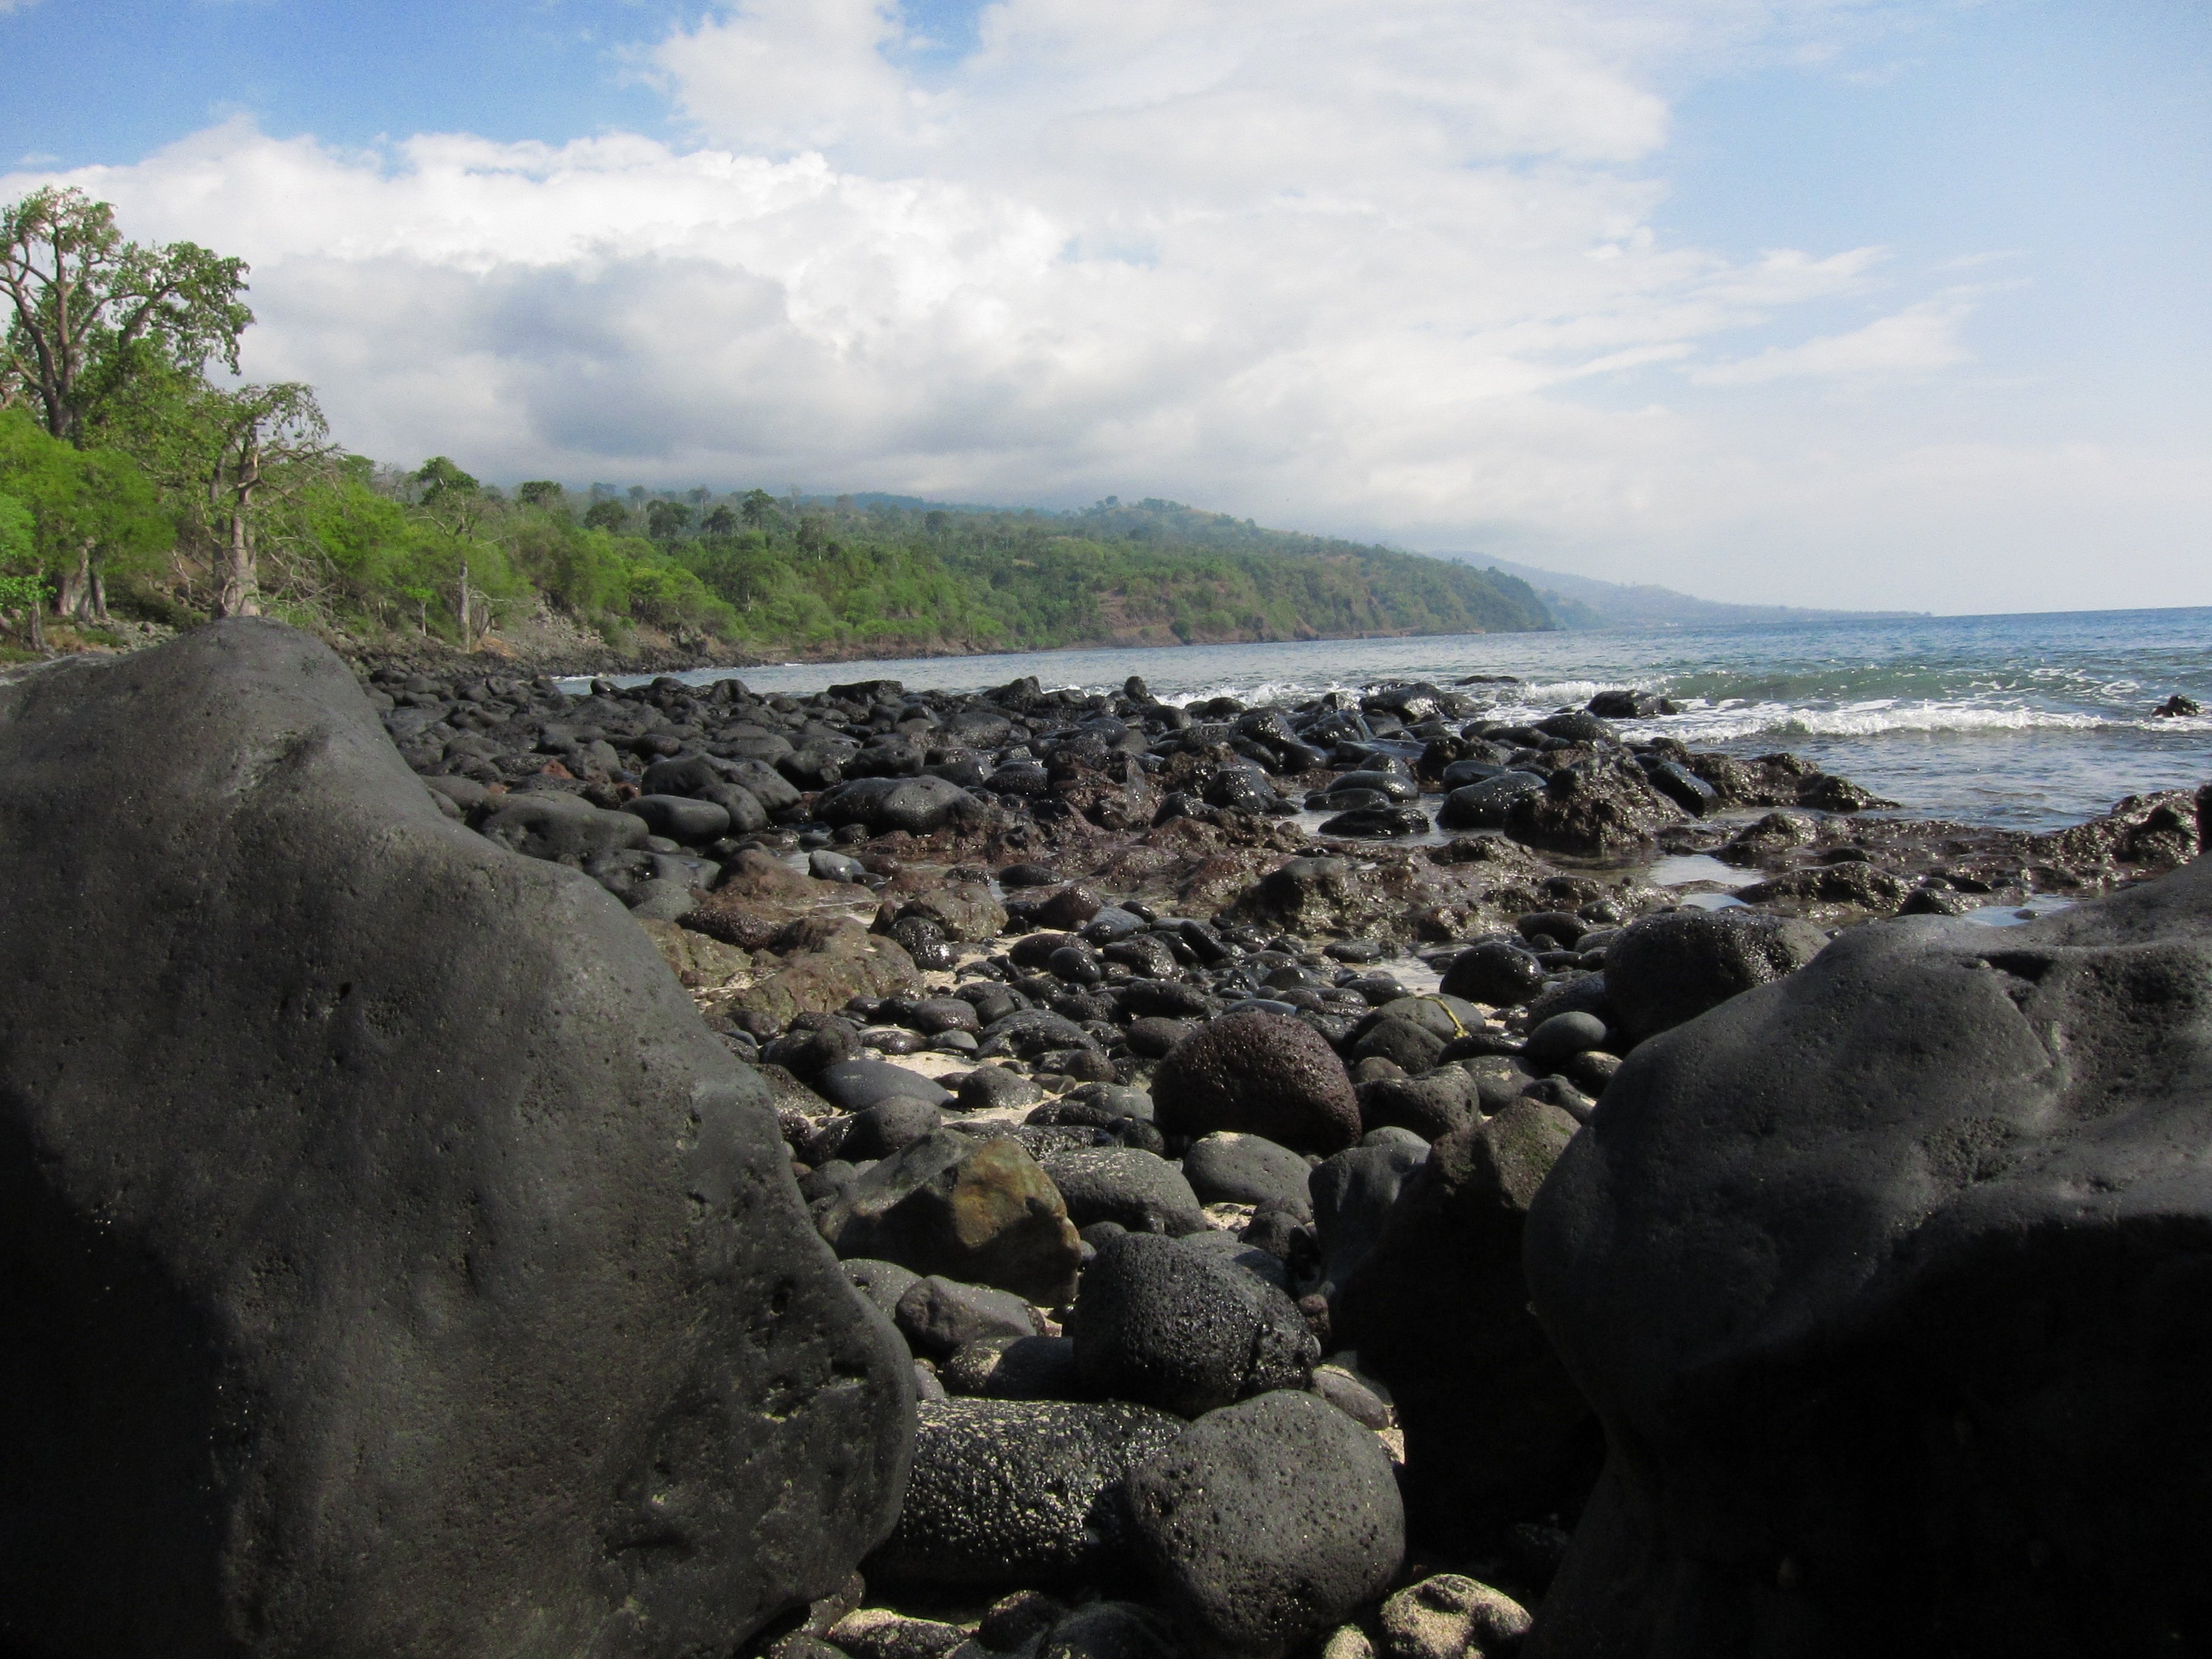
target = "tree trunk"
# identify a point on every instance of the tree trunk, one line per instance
(34, 612)
(99, 596)
(242, 591)
(70, 600)
(468, 632)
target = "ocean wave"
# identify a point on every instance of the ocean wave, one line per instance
(1720, 723)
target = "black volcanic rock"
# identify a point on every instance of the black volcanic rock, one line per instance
(393, 1262)
(1891, 1281)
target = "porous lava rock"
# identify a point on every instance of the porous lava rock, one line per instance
(1170, 1325)
(394, 1263)
(1257, 1073)
(1267, 1522)
(1889, 1281)
(1017, 1492)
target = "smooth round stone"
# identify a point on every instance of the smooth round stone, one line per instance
(891, 1040)
(1561, 1037)
(955, 1043)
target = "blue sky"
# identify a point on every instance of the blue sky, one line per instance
(1820, 301)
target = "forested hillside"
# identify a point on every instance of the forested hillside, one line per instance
(142, 482)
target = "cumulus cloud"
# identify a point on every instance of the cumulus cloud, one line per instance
(1915, 341)
(1363, 267)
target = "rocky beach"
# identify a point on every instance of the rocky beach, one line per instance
(880, 1173)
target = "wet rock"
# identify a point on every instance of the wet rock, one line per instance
(988, 1086)
(1495, 972)
(1851, 883)
(1684, 787)
(1626, 705)
(1068, 908)
(1664, 969)
(1589, 811)
(1167, 1325)
(333, 1155)
(1484, 804)
(1309, 896)
(1937, 1203)
(963, 911)
(982, 1212)
(1226, 1167)
(1008, 1492)
(1257, 1073)
(925, 943)
(1265, 1524)
(1377, 824)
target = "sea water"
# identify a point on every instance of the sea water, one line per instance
(2028, 721)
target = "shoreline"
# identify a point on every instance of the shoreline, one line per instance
(1177, 1081)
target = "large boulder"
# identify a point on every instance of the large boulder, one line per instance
(394, 1263)
(1663, 969)
(1889, 1281)
(1257, 1073)
(1017, 1492)
(1438, 1309)
(1267, 1522)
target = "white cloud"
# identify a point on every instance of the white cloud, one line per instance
(1371, 267)
(1918, 340)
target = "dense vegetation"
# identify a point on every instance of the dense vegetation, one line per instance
(140, 480)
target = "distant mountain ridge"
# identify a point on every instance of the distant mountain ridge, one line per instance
(1585, 602)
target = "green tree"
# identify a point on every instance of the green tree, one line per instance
(758, 508)
(665, 521)
(606, 515)
(22, 587)
(93, 513)
(258, 437)
(720, 522)
(441, 479)
(84, 300)
(539, 492)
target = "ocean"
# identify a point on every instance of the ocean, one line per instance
(2028, 721)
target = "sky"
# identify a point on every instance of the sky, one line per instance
(1853, 303)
